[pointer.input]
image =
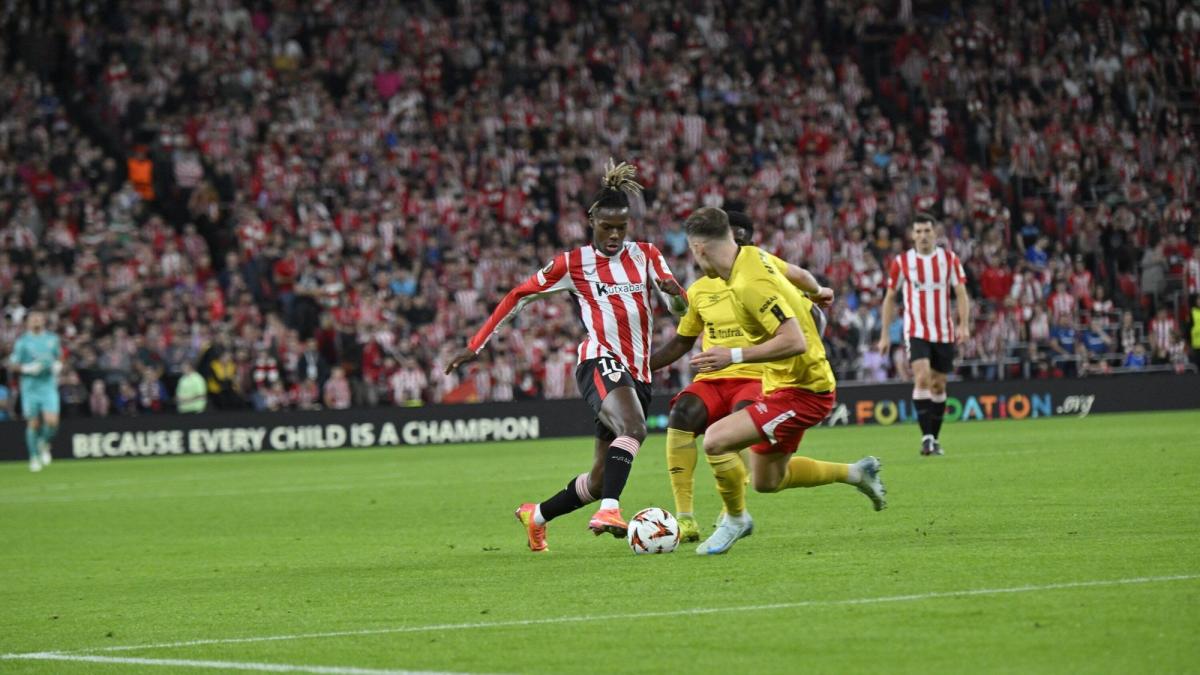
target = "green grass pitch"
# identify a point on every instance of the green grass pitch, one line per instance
(1052, 546)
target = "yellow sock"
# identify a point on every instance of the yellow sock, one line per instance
(681, 467)
(744, 453)
(731, 481)
(805, 472)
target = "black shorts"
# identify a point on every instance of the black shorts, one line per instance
(940, 354)
(597, 377)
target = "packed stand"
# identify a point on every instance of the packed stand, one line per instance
(318, 202)
(76, 242)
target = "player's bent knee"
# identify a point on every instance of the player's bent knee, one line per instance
(635, 429)
(765, 483)
(623, 426)
(688, 414)
(717, 444)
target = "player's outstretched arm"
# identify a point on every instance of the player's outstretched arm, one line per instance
(671, 352)
(664, 280)
(673, 296)
(672, 287)
(805, 281)
(787, 341)
(463, 356)
(550, 279)
(512, 303)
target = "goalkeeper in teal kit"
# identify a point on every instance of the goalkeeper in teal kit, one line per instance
(37, 356)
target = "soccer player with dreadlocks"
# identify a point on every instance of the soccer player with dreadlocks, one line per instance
(611, 280)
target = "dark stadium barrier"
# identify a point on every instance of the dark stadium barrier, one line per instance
(232, 432)
(857, 404)
(1012, 399)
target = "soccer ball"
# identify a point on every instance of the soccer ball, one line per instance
(653, 530)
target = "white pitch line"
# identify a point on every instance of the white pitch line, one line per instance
(645, 615)
(218, 665)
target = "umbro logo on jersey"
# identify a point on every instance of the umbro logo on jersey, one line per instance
(603, 289)
(760, 407)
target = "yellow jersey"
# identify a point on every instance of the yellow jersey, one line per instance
(763, 299)
(712, 314)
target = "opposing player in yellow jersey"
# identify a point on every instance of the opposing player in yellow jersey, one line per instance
(713, 395)
(798, 384)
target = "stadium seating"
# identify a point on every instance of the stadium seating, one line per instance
(279, 194)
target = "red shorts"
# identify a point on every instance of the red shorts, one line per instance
(784, 414)
(720, 394)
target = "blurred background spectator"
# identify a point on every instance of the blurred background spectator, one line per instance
(294, 195)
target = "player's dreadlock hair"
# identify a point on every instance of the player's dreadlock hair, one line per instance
(619, 186)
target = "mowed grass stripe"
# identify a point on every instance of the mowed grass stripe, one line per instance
(424, 537)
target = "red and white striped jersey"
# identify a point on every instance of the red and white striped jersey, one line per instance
(693, 129)
(407, 384)
(1191, 273)
(927, 281)
(613, 295)
(939, 121)
(1063, 306)
(558, 373)
(1161, 332)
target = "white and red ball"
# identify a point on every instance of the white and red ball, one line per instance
(653, 530)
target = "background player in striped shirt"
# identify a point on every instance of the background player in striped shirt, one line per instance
(713, 395)
(928, 273)
(611, 280)
(798, 383)
(37, 356)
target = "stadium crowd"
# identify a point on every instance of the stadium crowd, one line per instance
(312, 204)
